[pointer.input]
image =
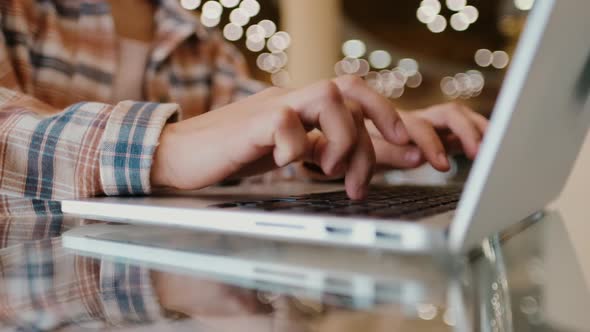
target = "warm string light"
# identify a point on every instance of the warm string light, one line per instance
(497, 59)
(390, 83)
(524, 4)
(463, 85)
(429, 14)
(259, 36)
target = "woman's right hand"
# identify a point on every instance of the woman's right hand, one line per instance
(321, 123)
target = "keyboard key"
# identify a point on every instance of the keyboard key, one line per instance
(400, 202)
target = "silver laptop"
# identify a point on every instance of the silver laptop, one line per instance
(537, 129)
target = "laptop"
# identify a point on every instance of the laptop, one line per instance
(537, 129)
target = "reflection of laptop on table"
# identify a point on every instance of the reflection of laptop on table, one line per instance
(537, 129)
(352, 277)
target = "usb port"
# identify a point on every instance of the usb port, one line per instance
(339, 230)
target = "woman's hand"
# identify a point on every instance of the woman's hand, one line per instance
(322, 124)
(341, 125)
(435, 132)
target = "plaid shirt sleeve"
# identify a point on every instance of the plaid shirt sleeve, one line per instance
(43, 286)
(88, 149)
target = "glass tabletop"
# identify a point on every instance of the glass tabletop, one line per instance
(122, 277)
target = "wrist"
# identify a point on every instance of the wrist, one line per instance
(160, 174)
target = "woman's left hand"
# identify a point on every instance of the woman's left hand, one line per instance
(435, 132)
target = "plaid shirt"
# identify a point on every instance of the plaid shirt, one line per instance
(60, 138)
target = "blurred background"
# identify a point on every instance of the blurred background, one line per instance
(415, 52)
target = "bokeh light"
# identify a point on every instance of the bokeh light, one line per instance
(251, 7)
(210, 22)
(434, 4)
(426, 14)
(414, 81)
(459, 22)
(438, 25)
(465, 85)
(408, 66)
(456, 5)
(524, 4)
(233, 32)
(190, 4)
(255, 33)
(212, 9)
(354, 48)
(281, 78)
(269, 62)
(229, 3)
(269, 27)
(483, 57)
(471, 13)
(348, 66)
(255, 46)
(380, 59)
(279, 42)
(364, 67)
(427, 311)
(500, 59)
(239, 16)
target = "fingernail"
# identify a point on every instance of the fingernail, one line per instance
(443, 159)
(413, 156)
(400, 131)
(280, 157)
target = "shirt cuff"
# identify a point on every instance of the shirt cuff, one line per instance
(128, 145)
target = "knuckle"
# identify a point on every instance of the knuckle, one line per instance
(330, 92)
(285, 117)
(351, 81)
(456, 107)
(421, 122)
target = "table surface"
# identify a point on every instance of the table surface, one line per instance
(526, 279)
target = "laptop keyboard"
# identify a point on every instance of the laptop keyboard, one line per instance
(395, 202)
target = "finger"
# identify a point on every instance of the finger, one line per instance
(361, 163)
(375, 107)
(372, 130)
(452, 144)
(481, 122)
(458, 118)
(316, 145)
(426, 138)
(390, 156)
(321, 105)
(273, 143)
(290, 138)
(462, 126)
